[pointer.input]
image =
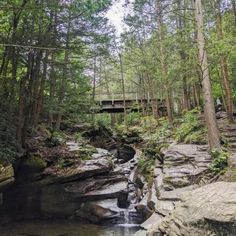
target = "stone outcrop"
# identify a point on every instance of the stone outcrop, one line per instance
(183, 168)
(184, 164)
(209, 210)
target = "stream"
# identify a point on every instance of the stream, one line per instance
(103, 204)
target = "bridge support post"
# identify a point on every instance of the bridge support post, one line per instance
(112, 99)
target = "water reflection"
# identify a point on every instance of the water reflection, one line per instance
(62, 228)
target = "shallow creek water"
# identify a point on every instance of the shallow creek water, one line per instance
(63, 228)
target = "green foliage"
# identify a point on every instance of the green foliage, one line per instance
(191, 129)
(148, 123)
(146, 168)
(126, 132)
(103, 121)
(220, 160)
(86, 152)
(63, 163)
(78, 137)
(164, 129)
(57, 138)
(146, 165)
(133, 118)
(8, 155)
(153, 149)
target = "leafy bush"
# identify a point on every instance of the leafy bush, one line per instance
(153, 149)
(8, 155)
(146, 167)
(164, 130)
(148, 123)
(220, 160)
(103, 121)
(192, 130)
(133, 118)
(126, 132)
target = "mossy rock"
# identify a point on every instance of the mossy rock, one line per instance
(33, 164)
(229, 175)
(6, 172)
(6, 176)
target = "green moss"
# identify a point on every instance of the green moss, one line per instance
(230, 175)
(86, 152)
(34, 164)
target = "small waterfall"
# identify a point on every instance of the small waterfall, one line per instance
(129, 218)
(126, 216)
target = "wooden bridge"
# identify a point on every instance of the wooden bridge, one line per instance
(115, 103)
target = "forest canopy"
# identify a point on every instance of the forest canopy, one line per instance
(58, 56)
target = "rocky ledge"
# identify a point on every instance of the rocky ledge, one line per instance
(209, 210)
(186, 205)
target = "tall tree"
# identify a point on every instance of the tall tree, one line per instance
(164, 70)
(209, 109)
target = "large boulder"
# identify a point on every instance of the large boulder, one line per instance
(209, 210)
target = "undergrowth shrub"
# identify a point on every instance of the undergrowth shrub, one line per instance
(103, 121)
(9, 155)
(148, 123)
(146, 167)
(164, 130)
(191, 129)
(133, 118)
(220, 160)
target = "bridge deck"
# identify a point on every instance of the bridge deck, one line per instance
(118, 106)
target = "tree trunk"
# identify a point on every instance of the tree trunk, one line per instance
(64, 76)
(23, 101)
(52, 88)
(209, 109)
(94, 88)
(224, 69)
(183, 55)
(163, 62)
(123, 86)
(39, 107)
(234, 12)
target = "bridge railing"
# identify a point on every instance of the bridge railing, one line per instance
(119, 96)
